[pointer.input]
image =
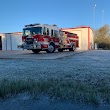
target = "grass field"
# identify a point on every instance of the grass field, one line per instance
(80, 78)
(60, 89)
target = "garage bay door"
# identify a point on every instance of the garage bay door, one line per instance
(10, 42)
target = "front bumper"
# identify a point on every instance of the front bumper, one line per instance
(29, 46)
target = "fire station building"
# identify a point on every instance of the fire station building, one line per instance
(86, 37)
(9, 41)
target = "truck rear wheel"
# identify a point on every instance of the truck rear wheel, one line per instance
(35, 51)
(60, 50)
(73, 48)
(51, 48)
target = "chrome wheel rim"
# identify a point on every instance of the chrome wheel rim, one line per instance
(51, 48)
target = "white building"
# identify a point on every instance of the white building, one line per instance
(9, 41)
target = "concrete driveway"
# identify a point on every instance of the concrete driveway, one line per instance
(26, 54)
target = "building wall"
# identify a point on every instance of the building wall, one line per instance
(16, 39)
(79, 33)
(92, 38)
(11, 40)
(85, 37)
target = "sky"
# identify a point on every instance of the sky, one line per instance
(14, 14)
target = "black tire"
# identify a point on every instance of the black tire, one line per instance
(60, 50)
(35, 51)
(51, 48)
(73, 48)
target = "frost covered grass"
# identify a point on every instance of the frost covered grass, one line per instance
(84, 77)
(59, 89)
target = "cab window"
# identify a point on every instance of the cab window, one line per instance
(48, 31)
(55, 33)
(52, 33)
(44, 31)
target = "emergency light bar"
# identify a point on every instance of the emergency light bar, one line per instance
(54, 25)
(37, 24)
(32, 24)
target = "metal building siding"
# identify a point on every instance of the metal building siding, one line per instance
(84, 40)
(16, 40)
(8, 42)
(92, 37)
(85, 37)
(11, 40)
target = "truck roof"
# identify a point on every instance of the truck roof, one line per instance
(41, 25)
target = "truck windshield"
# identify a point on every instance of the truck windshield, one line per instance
(32, 31)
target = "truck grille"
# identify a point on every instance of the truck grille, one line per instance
(29, 41)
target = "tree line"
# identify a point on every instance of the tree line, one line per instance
(102, 37)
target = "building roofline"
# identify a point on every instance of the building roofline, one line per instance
(12, 33)
(77, 27)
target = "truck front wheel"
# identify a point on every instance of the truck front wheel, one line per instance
(51, 48)
(35, 51)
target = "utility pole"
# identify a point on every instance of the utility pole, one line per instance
(103, 17)
(94, 14)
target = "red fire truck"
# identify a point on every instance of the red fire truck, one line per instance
(67, 40)
(44, 37)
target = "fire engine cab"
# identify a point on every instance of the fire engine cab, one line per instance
(38, 37)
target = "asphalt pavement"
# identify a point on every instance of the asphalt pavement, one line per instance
(28, 54)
